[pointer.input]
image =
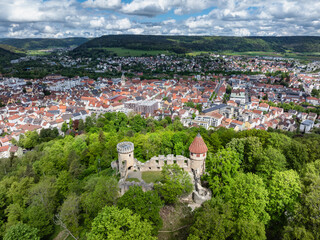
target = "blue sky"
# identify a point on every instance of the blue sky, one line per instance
(92, 18)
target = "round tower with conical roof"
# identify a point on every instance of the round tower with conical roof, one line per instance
(198, 153)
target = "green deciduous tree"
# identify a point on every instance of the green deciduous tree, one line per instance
(296, 155)
(115, 224)
(88, 123)
(38, 217)
(64, 127)
(175, 183)
(21, 231)
(81, 125)
(222, 169)
(31, 140)
(70, 213)
(284, 189)
(249, 198)
(249, 149)
(146, 204)
(214, 220)
(304, 223)
(99, 192)
(246, 229)
(270, 161)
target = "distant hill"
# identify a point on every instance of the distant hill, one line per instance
(186, 44)
(43, 43)
(12, 48)
(6, 56)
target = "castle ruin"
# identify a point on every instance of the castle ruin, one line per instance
(195, 166)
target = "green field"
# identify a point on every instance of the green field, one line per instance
(151, 177)
(132, 180)
(287, 54)
(38, 52)
(123, 52)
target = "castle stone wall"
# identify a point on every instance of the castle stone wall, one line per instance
(157, 163)
(125, 185)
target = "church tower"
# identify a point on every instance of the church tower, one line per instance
(123, 80)
(198, 153)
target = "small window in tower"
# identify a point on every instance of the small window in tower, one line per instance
(198, 155)
(129, 155)
(157, 161)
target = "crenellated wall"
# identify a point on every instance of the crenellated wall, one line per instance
(156, 163)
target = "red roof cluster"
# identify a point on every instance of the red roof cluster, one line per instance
(198, 145)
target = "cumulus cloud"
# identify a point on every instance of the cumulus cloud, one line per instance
(102, 4)
(90, 18)
(152, 8)
(35, 10)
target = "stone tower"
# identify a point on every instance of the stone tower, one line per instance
(125, 158)
(198, 153)
(123, 80)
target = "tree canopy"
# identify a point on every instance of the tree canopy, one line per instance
(264, 183)
(113, 223)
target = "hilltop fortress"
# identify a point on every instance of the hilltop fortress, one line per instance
(127, 166)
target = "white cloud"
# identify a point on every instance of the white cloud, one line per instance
(199, 23)
(120, 24)
(136, 30)
(241, 32)
(65, 18)
(102, 4)
(35, 10)
(152, 8)
(170, 21)
(188, 6)
(146, 7)
(97, 23)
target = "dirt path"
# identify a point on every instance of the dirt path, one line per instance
(62, 235)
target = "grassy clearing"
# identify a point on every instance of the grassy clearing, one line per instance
(132, 180)
(38, 52)
(287, 54)
(11, 48)
(176, 222)
(123, 52)
(151, 177)
(272, 54)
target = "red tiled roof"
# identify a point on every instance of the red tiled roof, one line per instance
(198, 145)
(4, 148)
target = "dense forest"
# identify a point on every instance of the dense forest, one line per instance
(6, 56)
(265, 184)
(185, 44)
(43, 43)
(105, 45)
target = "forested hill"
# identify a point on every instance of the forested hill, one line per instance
(185, 44)
(265, 184)
(6, 55)
(43, 43)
